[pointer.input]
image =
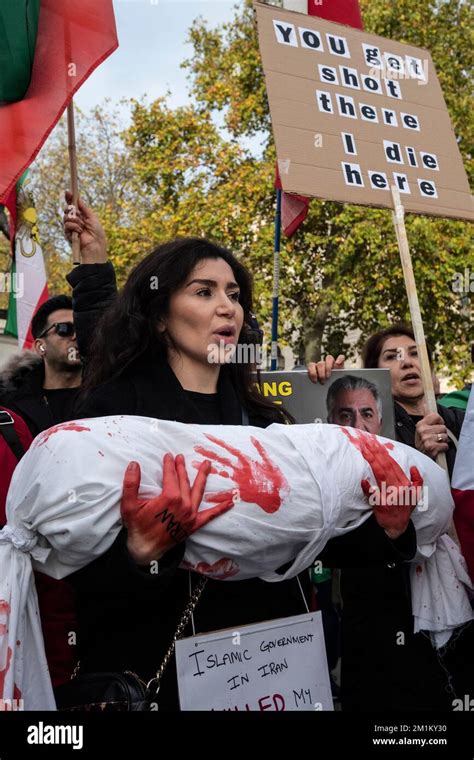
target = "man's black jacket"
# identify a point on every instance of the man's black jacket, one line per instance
(21, 388)
(385, 666)
(22, 376)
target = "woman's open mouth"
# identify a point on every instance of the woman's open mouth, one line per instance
(411, 378)
(225, 335)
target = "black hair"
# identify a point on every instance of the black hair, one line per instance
(374, 345)
(128, 329)
(40, 319)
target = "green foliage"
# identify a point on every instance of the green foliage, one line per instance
(446, 29)
(208, 169)
(104, 178)
(341, 272)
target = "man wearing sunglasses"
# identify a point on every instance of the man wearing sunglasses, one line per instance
(42, 386)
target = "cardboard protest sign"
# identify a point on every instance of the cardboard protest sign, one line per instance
(350, 397)
(354, 113)
(278, 666)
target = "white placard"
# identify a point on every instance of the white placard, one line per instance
(279, 666)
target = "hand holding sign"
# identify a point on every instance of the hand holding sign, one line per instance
(319, 372)
(431, 436)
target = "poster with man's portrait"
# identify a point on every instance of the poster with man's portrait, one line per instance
(359, 398)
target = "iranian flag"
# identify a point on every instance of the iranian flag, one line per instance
(462, 484)
(48, 48)
(294, 208)
(29, 286)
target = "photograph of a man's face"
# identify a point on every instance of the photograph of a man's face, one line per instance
(358, 398)
(355, 401)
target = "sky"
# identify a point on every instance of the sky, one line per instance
(152, 35)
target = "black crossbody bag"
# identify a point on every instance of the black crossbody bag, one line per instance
(120, 692)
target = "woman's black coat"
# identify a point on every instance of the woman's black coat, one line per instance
(127, 616)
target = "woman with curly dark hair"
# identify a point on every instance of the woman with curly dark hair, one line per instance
(174, 345)
(186, 307)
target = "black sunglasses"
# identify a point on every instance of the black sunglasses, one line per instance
(63, 329)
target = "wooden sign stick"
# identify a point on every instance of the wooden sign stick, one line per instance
(417, 322)
(71, 132)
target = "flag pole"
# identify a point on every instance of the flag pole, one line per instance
(71, 132)
(276, 281)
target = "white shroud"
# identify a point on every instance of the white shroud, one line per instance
(295, 487)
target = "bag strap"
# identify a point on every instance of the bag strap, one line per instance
(187, 613)
(7, 430)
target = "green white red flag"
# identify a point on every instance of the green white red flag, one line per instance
(39, 74)
(48, 48)
(29, 287)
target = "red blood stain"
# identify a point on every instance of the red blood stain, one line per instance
(220, 569)
(419, 570)
(257, 482)
(367, 443)
(3, 673)
(3, 629)
(16, 692)
(4, 607)
(44, 437)
(386, 470)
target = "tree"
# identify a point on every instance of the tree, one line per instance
(341, 271)
(208, 169)
(104, 176)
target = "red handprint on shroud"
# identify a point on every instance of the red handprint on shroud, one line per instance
(257, 482)
(392, 514)
(368, 444)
